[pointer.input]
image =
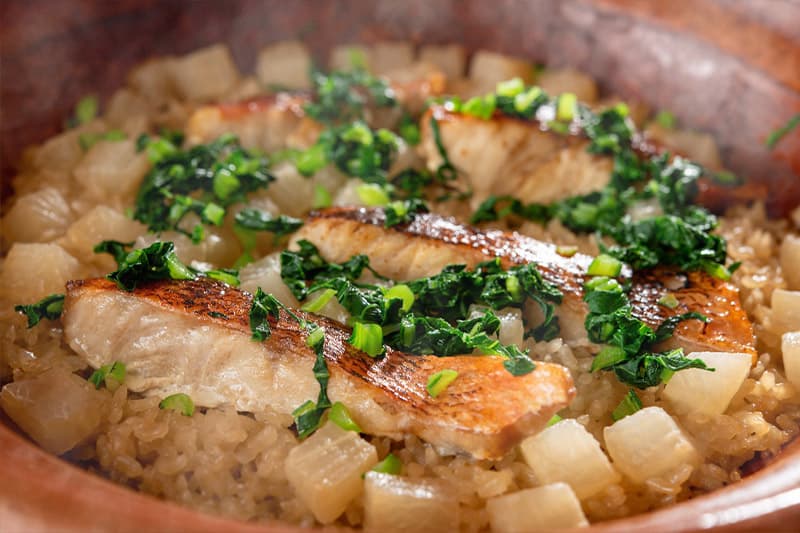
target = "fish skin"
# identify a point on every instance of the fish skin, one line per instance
(485, 412)
(430, 242)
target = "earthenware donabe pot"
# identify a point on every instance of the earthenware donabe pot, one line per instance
(730, 67)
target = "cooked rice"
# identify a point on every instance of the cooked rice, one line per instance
(232, 464)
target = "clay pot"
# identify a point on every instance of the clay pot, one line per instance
(725, 66)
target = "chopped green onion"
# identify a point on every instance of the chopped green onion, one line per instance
(409, 130)
(717, 270)
(665, 119)
(87, 140)
(510, 88)
(358, 58)
(178, 402)
(480, 107)
(225, 276)
(566, 107)
(726, 177)
(372, 194)
(225, 184)
(340, 416)
(622, 109)
(315, 336)
(214, 213)
(605, 265)
(555, 419)
(86, 109)
(367, 338)
(391, 464)
(112, 375)
(322, 198)
(629, 405)
(566, 251)
(315, 305)
(523, 101)
(311, 160)
(360, 133)
(439, 381)
(778, 134)
(401, 292)
(608, 356)
(668, 300)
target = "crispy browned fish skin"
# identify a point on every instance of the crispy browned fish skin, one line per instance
(486, 411)
(342, 232)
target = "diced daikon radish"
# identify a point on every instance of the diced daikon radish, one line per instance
(394, 503)
(449, 58)
(292, 192)
(40, 216)
(648, 444)
(266, 273)
(32, 271)
(205, 74)
(567, 452)
(700, 147)
(490, 68)
(790, 260)
(350, 56)
(124, 105)
(703, 391)
(100, 224)
(325, 470)
(553, 506)
(511, 330)
(568, 80)
(390, 55)
(790, 346)
(153, 79)
(285, 63)
(219, 246)
(57, 409)
(786, 310)
(112, 169)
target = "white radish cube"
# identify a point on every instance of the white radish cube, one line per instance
(205, 74)
(702, 391)
(648, 444)
(350, 57)
(284, 63)
(449, 58)
(391, 55)
(394, 503)
(790, 346)
(569, 80)
(552, 506)
(786, 310)
(57, 409)
(325, 470)
(112, 169)
(40, 216)
(790, 259)
(567, 452)
(266, 273)
(32, 271)
(491, 68)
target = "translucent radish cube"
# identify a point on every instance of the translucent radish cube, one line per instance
(394, 503)
(790, 345)
(552, 506)
(703, 391)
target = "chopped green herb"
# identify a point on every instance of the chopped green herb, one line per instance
(343, 96)
(510, 88)
(604, 265)
(118, 250)
(665, 119)
(607, 357)
(89, 139)
(86, 110)
(716, 270)
(439, 381)
(566, 107)
(49, 307)
(228, 276)
(339, 415)
(409, 130)
(310, 161)
(555, 419)
(112, 375)
(263, 306)
(391, 464)
(258, 220)
(403, 211)
(775, 136)
(157, 261)
(446, 171)
(373, 194)
(368, 338)
(315, 305)
(566, 251)
(307, 417)
(629, 405)
(322, 198)
(669, 301)
(402, 292)
(178, 402)
(203, 180)
(480, 106)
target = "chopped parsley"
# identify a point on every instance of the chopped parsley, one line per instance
(628, 340)
(341, 96)
(438, 382)
(428, 315)
(157, 261)
(629, 405)
(403, 211)
(203, 180)
(49, 307)
(775, 136)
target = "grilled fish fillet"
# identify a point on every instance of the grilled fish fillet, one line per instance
(430, 242)
(514, 157)
(194, 337)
